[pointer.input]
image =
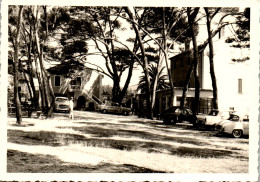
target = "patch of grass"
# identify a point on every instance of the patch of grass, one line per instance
(104, 132)
(58, 139)
(33, 138)
(200, 152)
(173, 163)
(21, 162)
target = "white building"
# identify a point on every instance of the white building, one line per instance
(233, 78)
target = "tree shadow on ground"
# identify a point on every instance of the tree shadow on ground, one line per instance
(59, 139)
(21, 162)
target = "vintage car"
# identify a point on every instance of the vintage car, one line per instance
(237, 125)
(112, 107)
(61, 104)
(209, 121)
(175, 114)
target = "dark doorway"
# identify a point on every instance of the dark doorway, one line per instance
(91, 106)
(81, 103)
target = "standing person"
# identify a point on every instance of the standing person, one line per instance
(71, 105)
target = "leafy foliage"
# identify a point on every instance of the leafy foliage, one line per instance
(66, 68)
(162, 82)
(242, 37)
(123, 58)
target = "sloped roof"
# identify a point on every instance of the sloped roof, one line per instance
(66, 68)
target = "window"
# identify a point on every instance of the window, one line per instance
(240, 86)
(57, 81)
(76, 81)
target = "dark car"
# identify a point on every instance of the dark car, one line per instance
(175, 114)
(111, 107)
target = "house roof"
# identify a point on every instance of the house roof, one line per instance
(66, 68)
(189, 51)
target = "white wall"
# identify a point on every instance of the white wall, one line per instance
(227, 74)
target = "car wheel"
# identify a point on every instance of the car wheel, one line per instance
(200, 126)
(213, 127)
(175, 120)
(104, 111)
(167, 121)
(237, 133)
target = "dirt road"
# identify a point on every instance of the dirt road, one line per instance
(95, 142)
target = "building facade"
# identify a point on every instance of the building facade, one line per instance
(84, 86)
(232, 77)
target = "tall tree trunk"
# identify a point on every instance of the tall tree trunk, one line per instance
(154, 86)
(211, 61)
(30, 68)
(27, 83)
(47, 87)
(186, 85)
(41, 103)
(16, 65)
(48, 76)
(191, 19)
(38, 56)
(115, 90)
(129, 76)
(31, 74)
(50, 111)
(145, 65)
(165, 47)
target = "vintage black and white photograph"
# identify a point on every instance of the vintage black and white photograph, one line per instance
(93, 89)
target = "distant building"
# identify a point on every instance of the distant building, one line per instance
(233, 78)
(83, 85)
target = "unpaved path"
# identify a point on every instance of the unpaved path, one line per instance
(114, 143)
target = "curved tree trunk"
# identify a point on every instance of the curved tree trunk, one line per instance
(186, 85)
(16, 65)
(30, 68)
(129, 76)
(165, 47)
(191, 19)
(145, 65)
(211, 61)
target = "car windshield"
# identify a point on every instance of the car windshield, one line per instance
(189, 111)
(234, 117)
(114, 104)
(213, 113)
(62, 99)
(246, 118)
(171, 109)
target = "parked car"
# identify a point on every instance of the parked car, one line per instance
(210, 120)
(112, 107)
(175, 115)
(237, 125)
(61, 104)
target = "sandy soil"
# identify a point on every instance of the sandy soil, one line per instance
(95, 142)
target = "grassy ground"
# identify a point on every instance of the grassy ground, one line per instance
(96, 143)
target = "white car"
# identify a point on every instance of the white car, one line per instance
(237, 125)
(212, 119)
(61, 104)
